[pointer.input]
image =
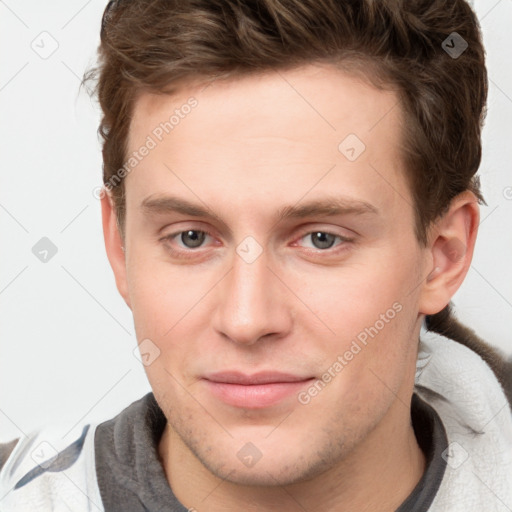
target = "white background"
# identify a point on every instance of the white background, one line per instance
(66, 337)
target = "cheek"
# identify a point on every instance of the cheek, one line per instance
(160, 302)
(161, 294)
(371, 312)
(350, 298)
(163, 299)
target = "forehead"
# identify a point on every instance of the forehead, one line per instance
(279, 130)
(324, 98)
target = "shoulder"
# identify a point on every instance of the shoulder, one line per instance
(461, 376)
(471, 403)
(43, 470)
(447, 326)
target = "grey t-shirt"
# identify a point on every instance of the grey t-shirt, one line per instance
(131, 477)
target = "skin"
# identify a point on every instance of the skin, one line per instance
(250, 148)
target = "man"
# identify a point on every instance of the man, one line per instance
(290, 194)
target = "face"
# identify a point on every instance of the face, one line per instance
(272, 269)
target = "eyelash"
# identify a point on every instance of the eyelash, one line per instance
(191, 253)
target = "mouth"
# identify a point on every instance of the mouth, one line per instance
(256, 391)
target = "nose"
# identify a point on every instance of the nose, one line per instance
(252, 303)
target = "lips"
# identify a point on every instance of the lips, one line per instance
(255, 391)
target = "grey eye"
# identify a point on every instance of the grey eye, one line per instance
(192, 238)
(322, 240)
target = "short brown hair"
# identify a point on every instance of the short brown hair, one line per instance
(157, 45)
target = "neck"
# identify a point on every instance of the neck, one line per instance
(379, 474)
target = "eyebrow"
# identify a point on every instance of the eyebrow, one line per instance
(327, 207)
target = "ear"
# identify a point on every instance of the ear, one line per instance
(114, 244)
(451, 243)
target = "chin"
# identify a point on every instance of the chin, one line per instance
(270, 474)
(279, 463)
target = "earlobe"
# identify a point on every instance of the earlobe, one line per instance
(114, 245)
(451, 244)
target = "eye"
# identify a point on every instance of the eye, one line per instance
(323, 239)
(189, 244)
(190, 239)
